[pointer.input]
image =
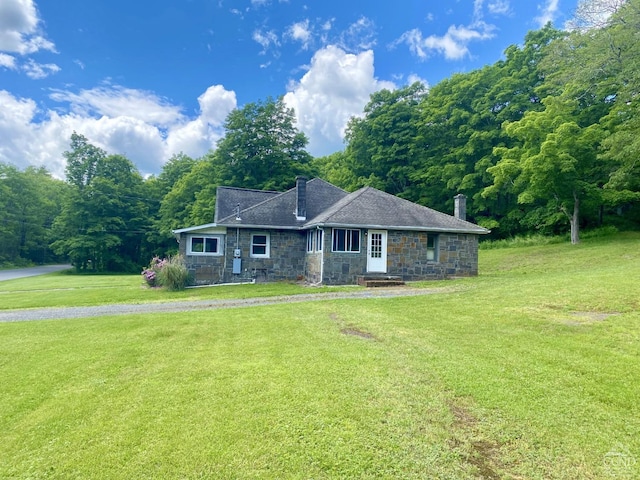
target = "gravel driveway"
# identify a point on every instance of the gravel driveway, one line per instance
(32, 314)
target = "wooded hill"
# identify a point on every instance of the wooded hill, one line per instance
(546, 140)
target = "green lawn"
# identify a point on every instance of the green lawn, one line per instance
(529, 371)
(67, 289)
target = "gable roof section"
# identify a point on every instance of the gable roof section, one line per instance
(330, 206)
(372, 208)
(228, 199)
(278, 211)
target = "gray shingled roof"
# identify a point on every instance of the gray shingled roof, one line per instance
(228, 199)
(279, 211)
(372, 208)
(328, 205)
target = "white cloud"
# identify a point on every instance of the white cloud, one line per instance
(38, 71)
(193, 138)
(453, 45)
(413, 78)
(138, 124)
(549, 11)
(593, 14)
(477, 10)
(7, 61)
(300, 32)
(359, 36)
(266, 39)
(335, 88)
(499, 7)
(215, 104)
(116, 101)
(19, 28)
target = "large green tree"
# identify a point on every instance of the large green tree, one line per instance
(381, 145)
(462, 123)
(191, 200)
(554, 168)
(155, 189)
(104, 221)
(598, 66)
(262, 149)
(29, 202)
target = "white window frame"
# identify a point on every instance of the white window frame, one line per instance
(266, 245)
(219, 251)
(348, 240)
(310, 239)
(319, 240)
(432, 251)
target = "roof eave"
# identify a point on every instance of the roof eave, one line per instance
(478, 231)
(197, 227)
(260, 226)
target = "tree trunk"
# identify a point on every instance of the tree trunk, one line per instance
(575, 220)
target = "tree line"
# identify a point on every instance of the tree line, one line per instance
(545, 140)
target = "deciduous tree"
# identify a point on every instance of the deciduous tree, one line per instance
(555, 165)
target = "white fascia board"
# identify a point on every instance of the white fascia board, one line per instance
(206, 228)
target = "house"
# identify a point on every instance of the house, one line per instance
(319, 233)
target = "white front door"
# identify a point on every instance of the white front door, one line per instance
(377, 251)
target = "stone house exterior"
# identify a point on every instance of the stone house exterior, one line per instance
(321, 234)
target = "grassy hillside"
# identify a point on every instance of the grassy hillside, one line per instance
(531, 370)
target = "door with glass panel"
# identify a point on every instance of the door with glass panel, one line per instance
(377, 251)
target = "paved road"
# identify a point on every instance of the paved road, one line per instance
(31, 271)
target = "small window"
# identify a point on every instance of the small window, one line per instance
(204, 245)
(319, 240)
(432, 248)
(345, 240)
(310, 235)
(260, 245)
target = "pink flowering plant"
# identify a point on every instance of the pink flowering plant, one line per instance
(150, 274)
(170, 273)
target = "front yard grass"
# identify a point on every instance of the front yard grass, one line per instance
(531, 370)
(64, 289)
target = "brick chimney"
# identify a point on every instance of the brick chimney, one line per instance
(460, 206)
(301, 198)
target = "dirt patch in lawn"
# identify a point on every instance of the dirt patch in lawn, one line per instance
(357, 333)
(350, 329)
(480, 452)
(581, 318)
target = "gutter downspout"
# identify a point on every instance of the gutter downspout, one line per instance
(322, 257)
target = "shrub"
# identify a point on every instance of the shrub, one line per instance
(150, 274)
(173, 274)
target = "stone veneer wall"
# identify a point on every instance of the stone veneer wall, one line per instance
(289, 261)
(313, 268)
(286, 259)
(203, 269)
(407, 255)
(407, 258)
(343, 268)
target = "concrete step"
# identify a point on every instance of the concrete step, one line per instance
(380, 281)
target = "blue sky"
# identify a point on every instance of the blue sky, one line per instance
(152, 78)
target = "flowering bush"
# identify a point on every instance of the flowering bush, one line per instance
(150, 274)
(170, 273)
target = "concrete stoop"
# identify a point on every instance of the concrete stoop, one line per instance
(380, 281)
